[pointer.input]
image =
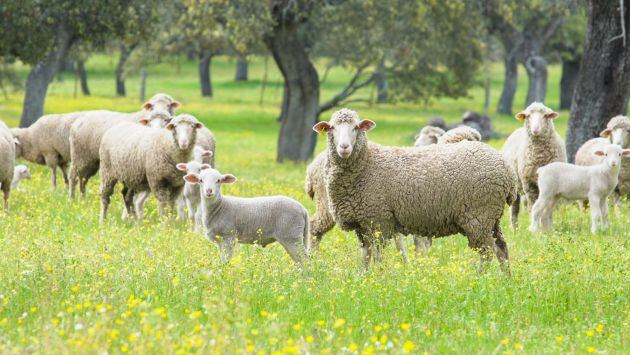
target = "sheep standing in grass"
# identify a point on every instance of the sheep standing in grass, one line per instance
(20, 172)
(531, 147)
(574, 182)
(258, 220)
(435, 191)
(143, 159)
(428, 135)
(7, 161)
(191, 194)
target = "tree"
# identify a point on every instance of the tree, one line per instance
(605, 71)
(241, 69)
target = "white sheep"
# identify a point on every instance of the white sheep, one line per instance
(458, 134)
(200, 156)
(531, 147)
(428, 135)
(7, 161)
(573, 182)
(143, 159)
(257, 220)
(20, 172)
(191, 195)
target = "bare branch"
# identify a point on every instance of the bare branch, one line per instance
(348, 91)
(623, 25)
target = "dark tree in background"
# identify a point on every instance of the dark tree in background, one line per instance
(241, 69)
(604, 87)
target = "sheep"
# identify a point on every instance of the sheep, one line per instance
(458, 134)
(202, 156)
(531, 147)
(7, 161)
(428, 135)
(88, 130)
(434, 191)
(257, 220)
(143, 159)
(20, 172)
(617, 132)
(574, 182)
(191, 194)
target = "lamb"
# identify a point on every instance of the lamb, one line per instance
(88, 130)
(258, 220)
(428, 135)
(458, 134)
(142, 158)
(531, 147)
(191, 195)
(20, 172)
(574, 182)
(617, 132)
(434, 191)
(200, 156)
(7, 160)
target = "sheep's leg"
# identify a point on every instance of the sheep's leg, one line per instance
(128, 195)
(596, 214)
(515, 208)
(73, 181)
(6, 191)
(107, 189)
(181, 206)
(399, 239)
(537, 213)
(603, 205)
(64, 172)
(139, 200)
(192, 211)
(83, 186)
(501, 248)
(295, 248)
(320, 224)
(547, 216)
(226, 249)
(422, 244)
(52, 162)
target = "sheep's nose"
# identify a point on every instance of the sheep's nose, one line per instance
(344, 146)
(208, 191)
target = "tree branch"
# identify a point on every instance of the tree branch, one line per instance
(348, 91)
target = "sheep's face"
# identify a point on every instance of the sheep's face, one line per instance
(428, 135)
(21, 172)
(161, 102)
(612, 154)
(201, 155)
(184, 128)
(210, 181)
(192, 167)
(538, 119)
(618, 135)
(344, 128)
(158, 118)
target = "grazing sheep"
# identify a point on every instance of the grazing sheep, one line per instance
(258, 220)
(7, 160)
(143, 159)
(575, 182)
(428, 135)
(88, 130)
(20, 172)
(191, 195)
(435, 190)
(458, 134)
(617, 132)
(531, 147)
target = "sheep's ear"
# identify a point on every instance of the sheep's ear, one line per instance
(366, 125)
(198, 125)
(322, 127)
(228, 179)
(175, 105)
(192, 178)
(605, 133)
(552, 116)
(170, 126)
(416, 137)
(599, 153)
(182, 166)
(147, 106)
(520, 116)
(205, 166)
(626, 152)
(16, 141)
(206, 153)
(144, 122)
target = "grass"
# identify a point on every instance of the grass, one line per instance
(70, 284)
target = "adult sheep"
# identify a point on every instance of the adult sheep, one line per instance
(436, 190)
(530, 147)
(7, 161)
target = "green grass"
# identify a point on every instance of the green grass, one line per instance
(70, 284)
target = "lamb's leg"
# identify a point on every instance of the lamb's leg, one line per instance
(596, 213)
(399, 239)
(603, 204)
(515, 208)
(181, 207)
(501, 248)
(226, 248)
(295, 248)
(73, 181)
(6, 191)
(547, 215)
(422, 244)
(537, 213)
(139, 200)
(107, 189)
(64, 172)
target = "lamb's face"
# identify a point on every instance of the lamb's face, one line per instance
(618, 135)
(201, 155)
(162, 102)
(210, 181)
(344, 128)
(612, 154)
(192, 167)
(184, 129)
(538, 119)
(158, 118)
(428, 135)
(21, 172)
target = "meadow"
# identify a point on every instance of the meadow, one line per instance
(69, 284)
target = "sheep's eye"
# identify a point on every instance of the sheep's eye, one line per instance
(218, 180)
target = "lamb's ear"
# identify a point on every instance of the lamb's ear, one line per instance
(206, 153)
(322, 127)
(144, 122)
(205, 166)
(198, 125)
(228, 179)
(182, 166)
(626, 152)
(170, 126)
(520, 116)
(605, 133)
(599, 153)
(366, 125)
(552, 116)
(175, 105)
(147, 106)
(192, 178)
(416, 137)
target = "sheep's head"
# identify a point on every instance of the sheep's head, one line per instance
(344, 129)
(459, 134)
(618, 131)
(538, 119)
(612, 154)
(210, 181)
(163, 102)
(158, 118)
(202, 155)
(184, 129)
(192, 167)
(428, 135)
(21, 172)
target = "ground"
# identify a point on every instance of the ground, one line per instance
(70, 284)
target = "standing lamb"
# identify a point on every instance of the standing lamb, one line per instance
(88, 130)
(20, 172)
(617, 132)
(531, 147)
(257, 220)
(191, 195)
(143, 159)
(435, 191)
(7, 160)
(574, 182)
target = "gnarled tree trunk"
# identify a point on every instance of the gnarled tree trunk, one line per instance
(570, 73)
(536, 67)
(83, 77)
(204, 74)
(125, 52)
(241, 69)
(605, 71)
(506, 101)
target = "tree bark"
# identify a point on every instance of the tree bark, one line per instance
(242, 68)
(570, 74)
(382, 93)
(536, 67)
(39, 78)
(125, 52)
(143, 84)
(83, 77)
(605, 70)
(506, 101)
(204, 74)
(296, 140)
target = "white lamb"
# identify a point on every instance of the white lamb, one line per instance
(191, 195)
(20, 172)
(574, 182)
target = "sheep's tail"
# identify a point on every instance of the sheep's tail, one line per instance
(307, 234)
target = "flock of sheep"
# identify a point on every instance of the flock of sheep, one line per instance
(447, 183)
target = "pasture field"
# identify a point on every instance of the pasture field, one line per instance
(69, 284)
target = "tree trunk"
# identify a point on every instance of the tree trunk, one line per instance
(204, 74)
(83, 77)
(570, 73)
(125, 52)
(536, 67)
(506, 101)
(296, 140)
(39, 77)
(382, 95)
(241, 69)
(605, 69)
(143, 84)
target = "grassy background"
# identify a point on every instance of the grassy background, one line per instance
(70, 284)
